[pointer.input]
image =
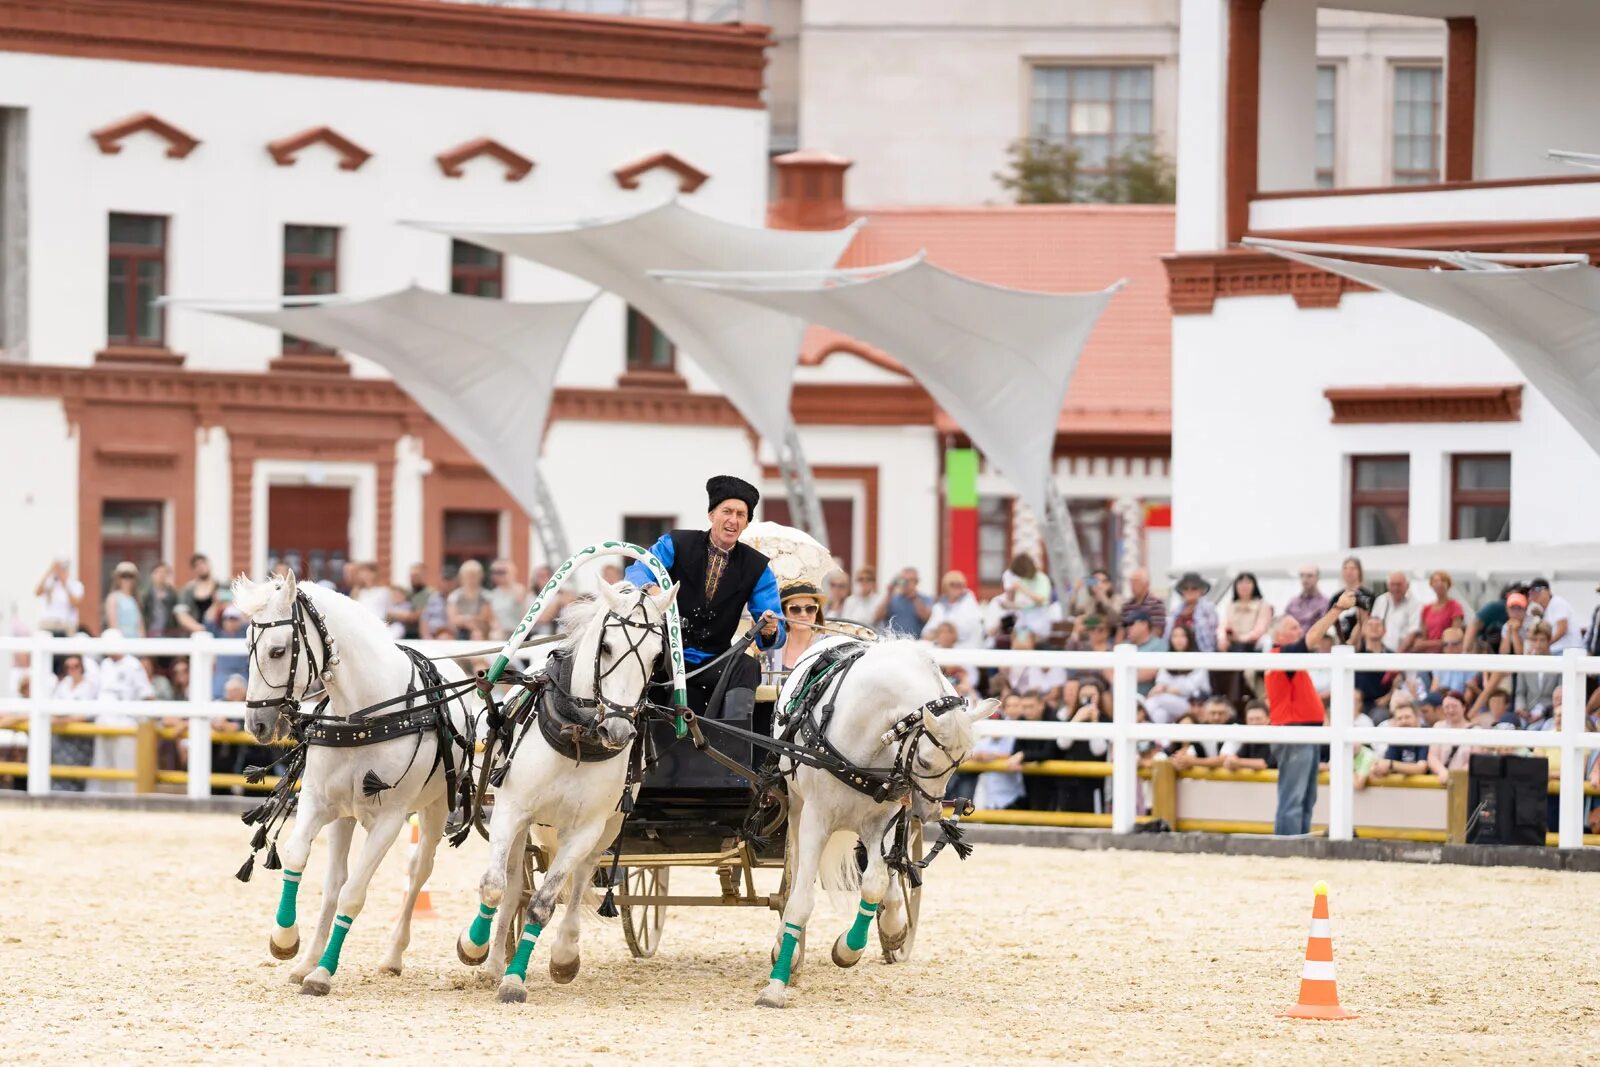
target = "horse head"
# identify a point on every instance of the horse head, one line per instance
(285, 647)
(944, 743)
(614, 651)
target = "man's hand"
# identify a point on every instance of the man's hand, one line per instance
(767, 624)
(1346, 601)
(653, 589)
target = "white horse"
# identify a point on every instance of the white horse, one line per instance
(612, 646)
(892, 708)
(292, 627)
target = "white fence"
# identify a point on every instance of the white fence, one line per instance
(1124, 731)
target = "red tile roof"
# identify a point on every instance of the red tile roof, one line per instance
(1124, 382)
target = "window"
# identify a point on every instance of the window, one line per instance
(1417, 109)
(136, 275)
(1480, 497)
(1097, 528)
(1327, 138)
(1380, 500)
(129, 530)
(994, 539)
(1099, 111)
(643, 530)
(648, 348)
(476, 271)
(470, 535)
(310, 268)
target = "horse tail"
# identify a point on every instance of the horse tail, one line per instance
(840, 872)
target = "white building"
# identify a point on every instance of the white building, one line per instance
(1310, 415)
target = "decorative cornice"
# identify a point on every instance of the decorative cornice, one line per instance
(420, 41)
(285, 150)
(110, 138)
(1196, 280)
(690, 177)
(841, 345)
(1426, 403)
(517, 166)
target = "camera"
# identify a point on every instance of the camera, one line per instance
(1363, 600)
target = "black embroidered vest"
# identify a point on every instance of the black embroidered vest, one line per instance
(709, 627)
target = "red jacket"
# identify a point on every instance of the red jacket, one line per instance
(1291, 698)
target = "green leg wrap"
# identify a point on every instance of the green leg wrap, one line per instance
(479, 934)
(857, 937)
(519, 963)
(785, 963)
(330, 955)
(291, 888)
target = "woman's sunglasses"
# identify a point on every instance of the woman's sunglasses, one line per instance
(801, 609)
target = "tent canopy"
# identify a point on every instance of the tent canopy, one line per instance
(1545, 316)
(483, 369)
(749, 351)
(998, 360)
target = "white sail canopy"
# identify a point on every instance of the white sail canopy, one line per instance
(748, 351)
(483, 369)
(1545, 316)
(998, 360)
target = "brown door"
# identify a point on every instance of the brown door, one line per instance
(839, 516)
(308, 527)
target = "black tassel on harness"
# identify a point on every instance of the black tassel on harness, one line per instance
(245, 871)
(273, 862)
(498, 776)
(372, 785)
(259, 840)
(254, 775)
(625, 805)
(956, 837)
(255, 814)
(608, 906)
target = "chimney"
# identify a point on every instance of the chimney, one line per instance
(810, 191)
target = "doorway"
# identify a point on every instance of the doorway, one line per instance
(838, 516)
(308, 528)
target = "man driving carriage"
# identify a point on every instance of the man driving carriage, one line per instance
(719, 578)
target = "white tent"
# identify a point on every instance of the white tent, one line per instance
(749, 352)
(998, 360)
(1545, 315)
(483, 369)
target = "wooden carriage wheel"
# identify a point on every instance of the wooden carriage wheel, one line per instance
(532, 864)
(911, 897)
(642, 923)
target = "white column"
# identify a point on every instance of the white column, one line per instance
(1202, 126)
(1287, 156)
(202, 669)
(1341, 764)
(213, 501)
(405, 546)
(1124, 750)
(1570, 827)
(1429, 520)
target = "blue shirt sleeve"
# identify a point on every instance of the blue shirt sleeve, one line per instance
(765, 598)
(639, 574)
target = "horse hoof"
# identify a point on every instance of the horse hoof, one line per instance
(462, 944)
(284, 952)
(512, 991)
(562, 973)
(317, 983)
(843, 954)
(892, 942)
(393, 969)
(776, 995)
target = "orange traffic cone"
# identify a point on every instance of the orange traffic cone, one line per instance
(1319, 993)
(424, 905)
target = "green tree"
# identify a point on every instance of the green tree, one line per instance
(1042, 172)
(1138, 175)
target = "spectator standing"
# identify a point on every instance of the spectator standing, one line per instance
(75, 684)
(1374, 686)
(1533, 693)
(376, 596)
(838, 593)
(195, 601)
(958, 607)
(1026, 592)
(1243, 629)
(998, 790)
(1047, 682)
(1443, 614)
(159, 604)
(1141, 635)
(1175, 691)
(1141, 599)
(1352, 579)
(1484, 628)
(1292, 701)
(1310, 603)
(227, 624)
(1085, 794)
(60, 598)
(1401, 612)
(470, 617)
(1096, 596)
(1558, 614)
(1442, 759)
(412, 602)
(508, 598)
(903, 610)
(1193, 611)
(1041, 792)
(122, 678)
(122, 611)
(862, 605)
(1440, 682)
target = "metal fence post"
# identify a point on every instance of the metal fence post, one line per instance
(202, 664)
(1570, 827)
(1341, 762)
(1124, 751)
(41, 687)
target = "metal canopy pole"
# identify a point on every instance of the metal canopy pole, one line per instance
(547, 521)
(805, 507)
(1061, 539)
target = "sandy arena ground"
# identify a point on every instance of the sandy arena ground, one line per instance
(125, 937)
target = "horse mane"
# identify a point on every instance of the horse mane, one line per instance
(575, 618)
(251, 597)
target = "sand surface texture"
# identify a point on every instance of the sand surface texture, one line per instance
(124, 937)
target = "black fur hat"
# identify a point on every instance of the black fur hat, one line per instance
(720, 487)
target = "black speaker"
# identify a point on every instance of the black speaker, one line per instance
(1506, 800)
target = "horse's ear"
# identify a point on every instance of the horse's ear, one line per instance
(931, 721)
(289, 585)
(663, 600)
(609, 595)
(983, 710)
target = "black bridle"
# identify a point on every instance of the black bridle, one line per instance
(635, 631)
(299, 639)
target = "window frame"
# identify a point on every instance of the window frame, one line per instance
(485, 552)
(1332, 171)
(1460, 498)
(985, 588)
(665, 522)
(132, 256)
(1377, 498)
(116, 548)
(1075, 63)
(303, 265)
(638, 348)
(1399, 176)
(468, 279)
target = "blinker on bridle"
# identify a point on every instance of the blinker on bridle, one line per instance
(301, 610)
